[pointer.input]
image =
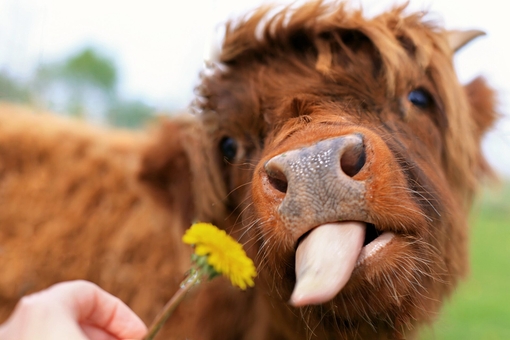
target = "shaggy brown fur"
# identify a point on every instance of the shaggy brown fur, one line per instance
(72, 208)
(110, 207)
(78, 202)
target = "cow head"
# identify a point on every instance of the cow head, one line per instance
(348, 155)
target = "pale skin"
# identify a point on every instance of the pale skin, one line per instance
(72, 310)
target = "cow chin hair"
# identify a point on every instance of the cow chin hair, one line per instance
(387, 295)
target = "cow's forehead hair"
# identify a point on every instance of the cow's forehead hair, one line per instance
(397, 36)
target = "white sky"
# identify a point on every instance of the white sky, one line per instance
(159, 45)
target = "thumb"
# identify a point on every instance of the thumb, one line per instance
(95, 308)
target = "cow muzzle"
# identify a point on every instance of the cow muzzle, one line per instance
(322, 206)
(319, 183)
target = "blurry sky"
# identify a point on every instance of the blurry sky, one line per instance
(159, 45)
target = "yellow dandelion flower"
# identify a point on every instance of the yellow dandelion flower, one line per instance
(222, 253)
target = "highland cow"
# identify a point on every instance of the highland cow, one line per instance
(342, 151)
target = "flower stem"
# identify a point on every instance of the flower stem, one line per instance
(172, 304)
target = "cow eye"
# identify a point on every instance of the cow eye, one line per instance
(228, 147)
(420, 98)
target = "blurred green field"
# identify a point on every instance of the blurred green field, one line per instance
(480, 309)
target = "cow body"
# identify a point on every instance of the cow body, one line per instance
(313, 122)
(71, 208)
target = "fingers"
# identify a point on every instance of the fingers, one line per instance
(77, 310)
(95, 308)
(94, 333)
(38, 317)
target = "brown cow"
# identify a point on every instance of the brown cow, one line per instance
(342, 151)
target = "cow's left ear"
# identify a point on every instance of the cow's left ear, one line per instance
(482, 99)
(483, 103)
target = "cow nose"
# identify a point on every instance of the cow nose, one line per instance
(318, 180)
(332, 157)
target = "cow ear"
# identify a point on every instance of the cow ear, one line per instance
(482, 99)
(165, 167)
(178, 167)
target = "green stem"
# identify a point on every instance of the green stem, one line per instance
(172, 304)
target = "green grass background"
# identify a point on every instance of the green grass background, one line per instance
(480, 308)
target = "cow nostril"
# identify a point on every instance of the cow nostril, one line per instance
(353, 159)
(277, 180)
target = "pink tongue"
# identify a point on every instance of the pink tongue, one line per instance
(325, 260)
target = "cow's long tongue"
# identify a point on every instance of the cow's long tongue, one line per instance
(325, 260)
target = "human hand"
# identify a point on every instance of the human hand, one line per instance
(72, 310)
